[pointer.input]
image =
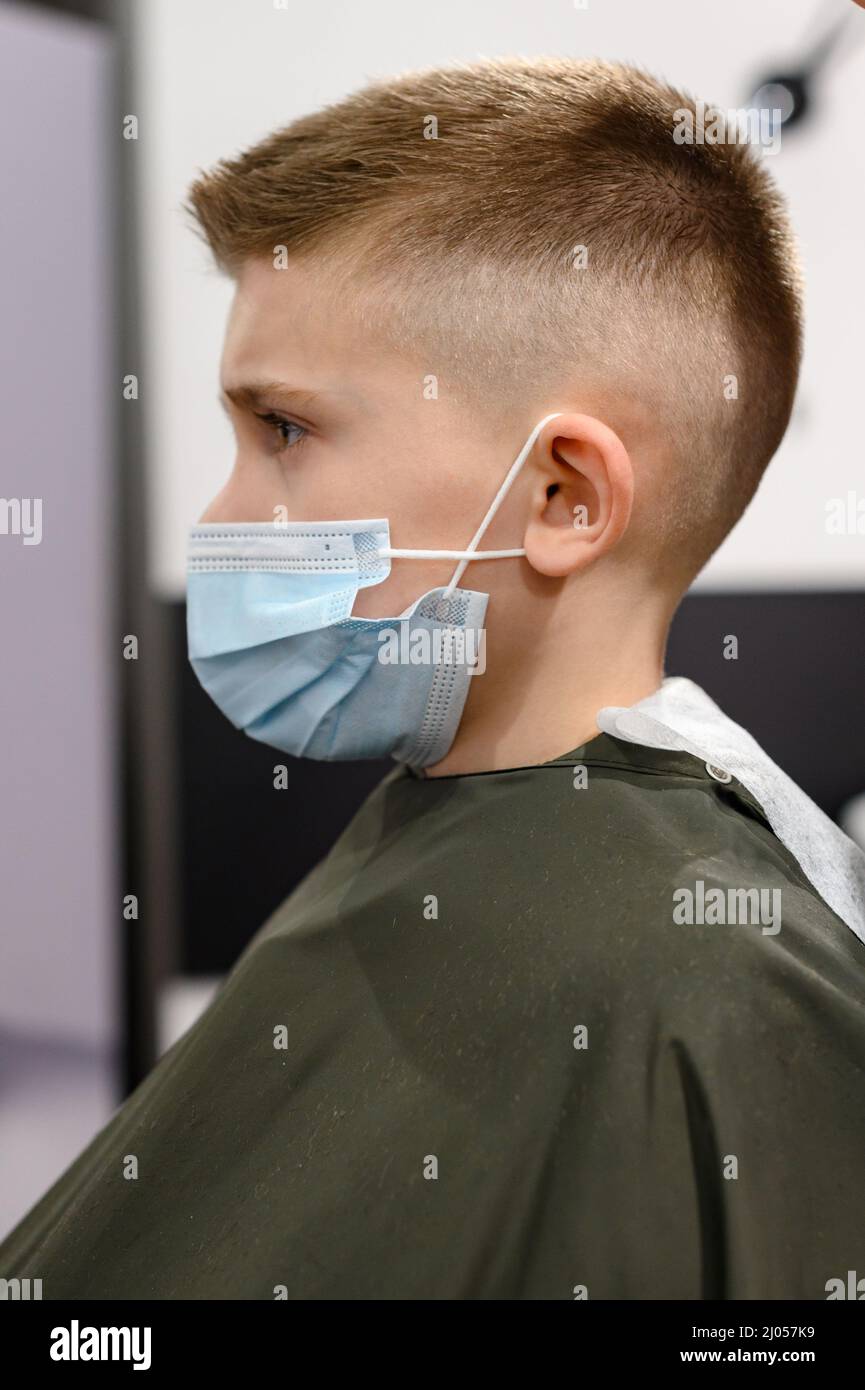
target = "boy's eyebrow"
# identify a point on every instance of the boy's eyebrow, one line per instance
(256, 395)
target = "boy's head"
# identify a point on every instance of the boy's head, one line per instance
(436, 262)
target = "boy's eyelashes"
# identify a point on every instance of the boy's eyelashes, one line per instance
(285, 433)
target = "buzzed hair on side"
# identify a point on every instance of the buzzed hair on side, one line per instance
(535, 225)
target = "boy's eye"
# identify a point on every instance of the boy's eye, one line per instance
(287, 433)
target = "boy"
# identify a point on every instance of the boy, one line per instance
(574, 1007)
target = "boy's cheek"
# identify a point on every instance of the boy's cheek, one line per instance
(391, 598)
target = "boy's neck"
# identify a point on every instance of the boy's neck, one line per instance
(532, 708)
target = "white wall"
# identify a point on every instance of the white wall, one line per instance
(216, 75)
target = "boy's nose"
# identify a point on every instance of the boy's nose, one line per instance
(238, 502)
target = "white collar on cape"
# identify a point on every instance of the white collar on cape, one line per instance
(681, 716)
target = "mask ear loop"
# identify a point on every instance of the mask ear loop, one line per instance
(495, 504)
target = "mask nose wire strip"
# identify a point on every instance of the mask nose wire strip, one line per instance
(495, 504)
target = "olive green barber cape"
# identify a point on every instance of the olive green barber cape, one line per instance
(581, 1029)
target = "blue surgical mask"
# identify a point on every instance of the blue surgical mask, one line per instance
(273, 641)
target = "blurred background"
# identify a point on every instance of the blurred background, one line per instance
(141, 840)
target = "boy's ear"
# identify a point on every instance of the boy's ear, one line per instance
(582, 494)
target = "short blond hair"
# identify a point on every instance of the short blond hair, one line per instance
(464, 195)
